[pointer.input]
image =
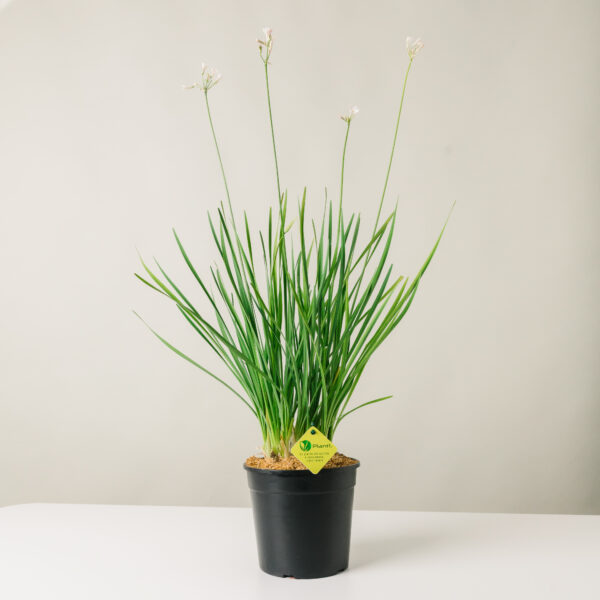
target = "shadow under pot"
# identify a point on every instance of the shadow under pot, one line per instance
(302, 520)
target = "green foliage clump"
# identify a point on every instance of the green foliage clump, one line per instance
(295, 327)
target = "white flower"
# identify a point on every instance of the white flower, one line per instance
(352, 112)
(210, 78)
(266, 44)
(413, 45)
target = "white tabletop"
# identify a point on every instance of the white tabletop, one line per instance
(88, 552)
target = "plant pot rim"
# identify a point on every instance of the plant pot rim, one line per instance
(299, 472)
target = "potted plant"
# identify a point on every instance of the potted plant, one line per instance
(297, 312)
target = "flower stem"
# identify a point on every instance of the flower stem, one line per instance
(272, 130)
(387, 175)
(342, 175)
(212, 128)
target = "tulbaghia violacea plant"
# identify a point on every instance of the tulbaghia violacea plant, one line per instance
(295, 322)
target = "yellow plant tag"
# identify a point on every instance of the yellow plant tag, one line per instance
(313, 450)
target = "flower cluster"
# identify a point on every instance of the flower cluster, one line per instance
(352, 112)
(413, 45)
(209, 78)
(266, 45)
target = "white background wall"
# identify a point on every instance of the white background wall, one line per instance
(494, 370)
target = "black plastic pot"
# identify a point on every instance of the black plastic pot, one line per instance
(302, 520)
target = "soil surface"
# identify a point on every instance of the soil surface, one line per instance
(291, 463)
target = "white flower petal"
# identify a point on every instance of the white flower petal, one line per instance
(413, 45)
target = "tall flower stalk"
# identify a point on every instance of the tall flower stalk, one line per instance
(294, 321)
(265, 48)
